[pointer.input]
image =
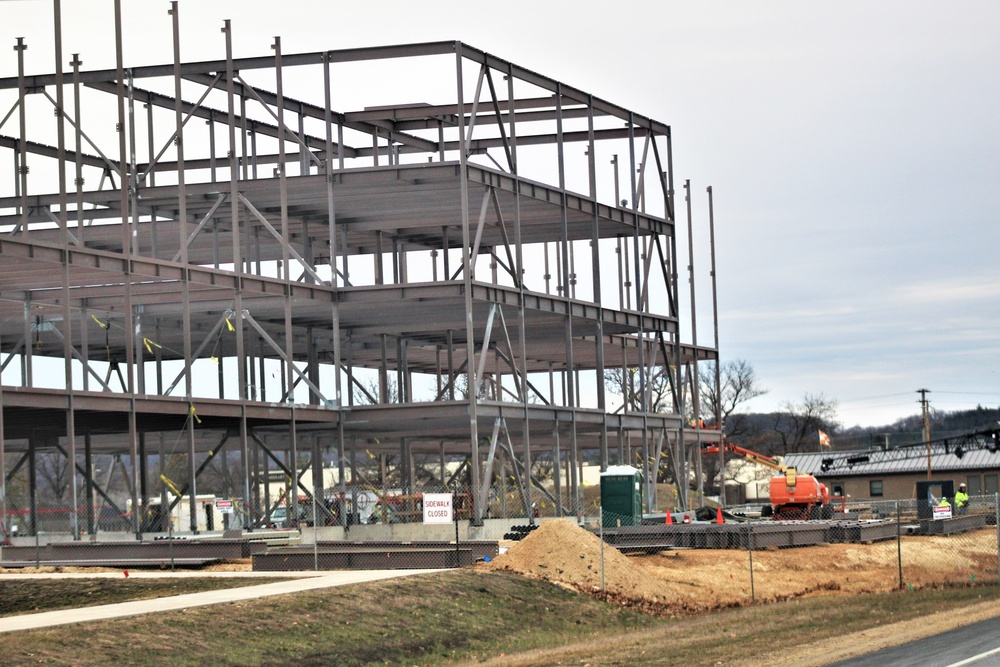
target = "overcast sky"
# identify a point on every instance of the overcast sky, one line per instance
(853, 149)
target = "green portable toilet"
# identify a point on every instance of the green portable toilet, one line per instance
(621, 496)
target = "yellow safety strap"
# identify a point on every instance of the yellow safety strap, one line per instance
(170, 485)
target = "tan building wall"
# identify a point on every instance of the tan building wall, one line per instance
(903, 487)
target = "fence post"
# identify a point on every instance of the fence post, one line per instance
(600, 522)
(315, 518)
(899, 544)
(996, 508)
(454, 511)
(753, 594)
(170, 541)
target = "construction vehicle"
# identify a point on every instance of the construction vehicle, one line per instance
(793, 496)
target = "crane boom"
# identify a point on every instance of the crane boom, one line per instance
(754, 457)
(792, 496)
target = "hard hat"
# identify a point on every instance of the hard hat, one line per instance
(961, 486)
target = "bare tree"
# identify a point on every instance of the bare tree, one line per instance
(797, 427)
(628, 386)
(367, 391)
(54, 469)
(738, 384)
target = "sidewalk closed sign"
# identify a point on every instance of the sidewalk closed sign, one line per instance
(437, 508)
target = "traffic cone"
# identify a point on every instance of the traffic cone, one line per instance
(669, 520)
(718, 516)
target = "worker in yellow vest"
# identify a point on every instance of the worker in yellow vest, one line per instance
(962, 499)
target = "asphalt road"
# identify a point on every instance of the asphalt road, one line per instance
(976, 645)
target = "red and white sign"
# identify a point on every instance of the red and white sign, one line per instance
(437, 508)
(224, 506)
(942, 511)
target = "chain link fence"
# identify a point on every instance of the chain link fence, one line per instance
(866, 547)
(310, 531)
(902, 543)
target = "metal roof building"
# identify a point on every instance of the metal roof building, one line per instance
(893, 473)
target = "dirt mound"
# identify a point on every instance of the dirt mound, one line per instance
(561, 552)
(699, 580)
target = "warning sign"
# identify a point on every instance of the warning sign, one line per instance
(224, 506)
(942, 511)
(437, 508)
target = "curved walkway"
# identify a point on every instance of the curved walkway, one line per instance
(296, 583)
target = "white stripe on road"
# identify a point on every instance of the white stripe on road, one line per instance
(975, 658)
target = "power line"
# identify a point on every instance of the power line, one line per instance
(872, 398)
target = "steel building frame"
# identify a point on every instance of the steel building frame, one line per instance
(289, 277)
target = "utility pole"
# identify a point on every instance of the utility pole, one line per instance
(924, 406)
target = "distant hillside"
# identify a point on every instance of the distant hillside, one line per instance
(763, 431)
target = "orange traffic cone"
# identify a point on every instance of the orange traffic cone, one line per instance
(718, 516)
(669, 520)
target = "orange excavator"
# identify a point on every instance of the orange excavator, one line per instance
(793, 496)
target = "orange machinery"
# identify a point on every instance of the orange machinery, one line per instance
(793, 496)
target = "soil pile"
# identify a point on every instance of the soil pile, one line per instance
(561, 552)
(699, 580)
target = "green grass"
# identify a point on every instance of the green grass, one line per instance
(463, 616)
(28, 596)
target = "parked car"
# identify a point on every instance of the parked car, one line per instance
(278, 518)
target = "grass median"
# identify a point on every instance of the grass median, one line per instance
(29, 596)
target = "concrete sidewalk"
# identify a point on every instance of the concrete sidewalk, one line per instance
(295, 584)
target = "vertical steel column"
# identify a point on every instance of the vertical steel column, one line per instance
(332, 214)
(32, 486)
(78, 181)
(680, 455)
(126, 231)
(312, 363)
(244, 133)
(21, 179)
(569, 386)
(470, 332)
(238, 266)
(27, 359)
(442, 468)
(693, 372)
(293, 490)
(23, 174)
(143, 477)
(595, 255)
(318, 487)
(150, 149)
(681, 452)
(182, 224)
(60, 119)
(718, 357)
(285, 235)
(556, 472)
(253, 511)
(88, 466)
(133, 180)
(639, 306)
(67, 314)
(522, 314)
